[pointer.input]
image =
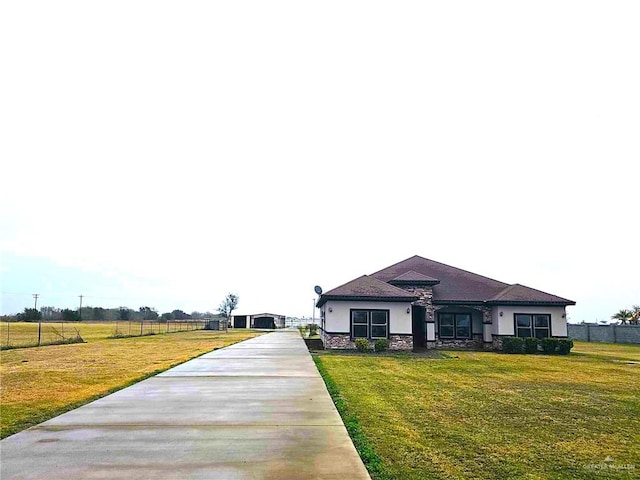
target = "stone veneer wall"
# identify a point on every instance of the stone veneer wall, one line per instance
(425, 300)
(343, 341)
(474, 343)
(400, 342)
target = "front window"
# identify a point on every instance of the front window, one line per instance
(530, 325)
(371, 324)
(454, 325)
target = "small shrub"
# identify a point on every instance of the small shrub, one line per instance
(381, 345)
(564, 346)
(530, 345)
(549, 345)
(362, 345)
(512, 345)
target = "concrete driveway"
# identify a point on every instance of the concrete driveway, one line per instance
(254, 410)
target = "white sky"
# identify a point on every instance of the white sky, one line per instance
(176, 151)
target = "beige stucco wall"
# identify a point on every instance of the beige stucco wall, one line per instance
(339, 320)
(504, 325)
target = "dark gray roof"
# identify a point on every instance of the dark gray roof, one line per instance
(517, 293)
(414, 277)
(367, 288)
(457, 285)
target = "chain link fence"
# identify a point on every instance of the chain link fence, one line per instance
(32, 334)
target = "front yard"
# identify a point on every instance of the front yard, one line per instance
(486, 415)
(41, 382)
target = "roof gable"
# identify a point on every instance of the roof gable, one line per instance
(455, 283)
(459, 286)
(366, 288)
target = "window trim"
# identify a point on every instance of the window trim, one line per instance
(455, 326)
(532, 327)
(369, 324)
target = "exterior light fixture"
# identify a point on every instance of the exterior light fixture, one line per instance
(408, 309)
(330, 309)
(501, 313)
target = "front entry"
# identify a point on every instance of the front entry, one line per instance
(418, 318)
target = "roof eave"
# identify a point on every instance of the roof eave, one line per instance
(530, 302)
(359, 298)
(491, 303)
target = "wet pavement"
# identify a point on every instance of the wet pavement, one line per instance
(254, 410)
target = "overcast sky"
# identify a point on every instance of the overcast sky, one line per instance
(165, 153)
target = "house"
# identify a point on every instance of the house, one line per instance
(420, 303)
(258, 320)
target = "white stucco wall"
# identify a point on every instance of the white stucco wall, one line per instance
(505, 324)
(338, 320)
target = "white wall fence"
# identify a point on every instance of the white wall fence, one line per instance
(605, 333)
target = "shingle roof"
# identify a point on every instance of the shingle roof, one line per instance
(517, 293)
(457, 285)
(414, 277)
(367, 288)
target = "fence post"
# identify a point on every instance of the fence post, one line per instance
(39, 332)
(588, 332)
(615, 340)
(8, 324)
(141, 322)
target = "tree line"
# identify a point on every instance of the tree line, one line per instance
(108, 314)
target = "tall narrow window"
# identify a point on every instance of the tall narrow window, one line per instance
(447, 326)
(541, 326)
(360, 324)
(523, 326)
(379, 324)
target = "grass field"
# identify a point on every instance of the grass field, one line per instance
(26, 333)
(484, 415)
(41, 382)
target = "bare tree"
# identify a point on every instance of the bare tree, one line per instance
(228, 305)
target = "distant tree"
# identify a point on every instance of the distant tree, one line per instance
(228, 305)
(124, 314)
(165, 317)
(622, 316)
(29, 315)
(635, 315)
(148, 313)
(180, 315)
(50, 313)
(69, 315)
(196, 315)
(98, 313)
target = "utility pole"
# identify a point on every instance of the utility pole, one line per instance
(80, 309)
(35, 307)
(313, 315)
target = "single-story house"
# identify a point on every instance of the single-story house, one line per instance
(420, 303)
(258, 320)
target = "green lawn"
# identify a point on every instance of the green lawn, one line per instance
(487, 415)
